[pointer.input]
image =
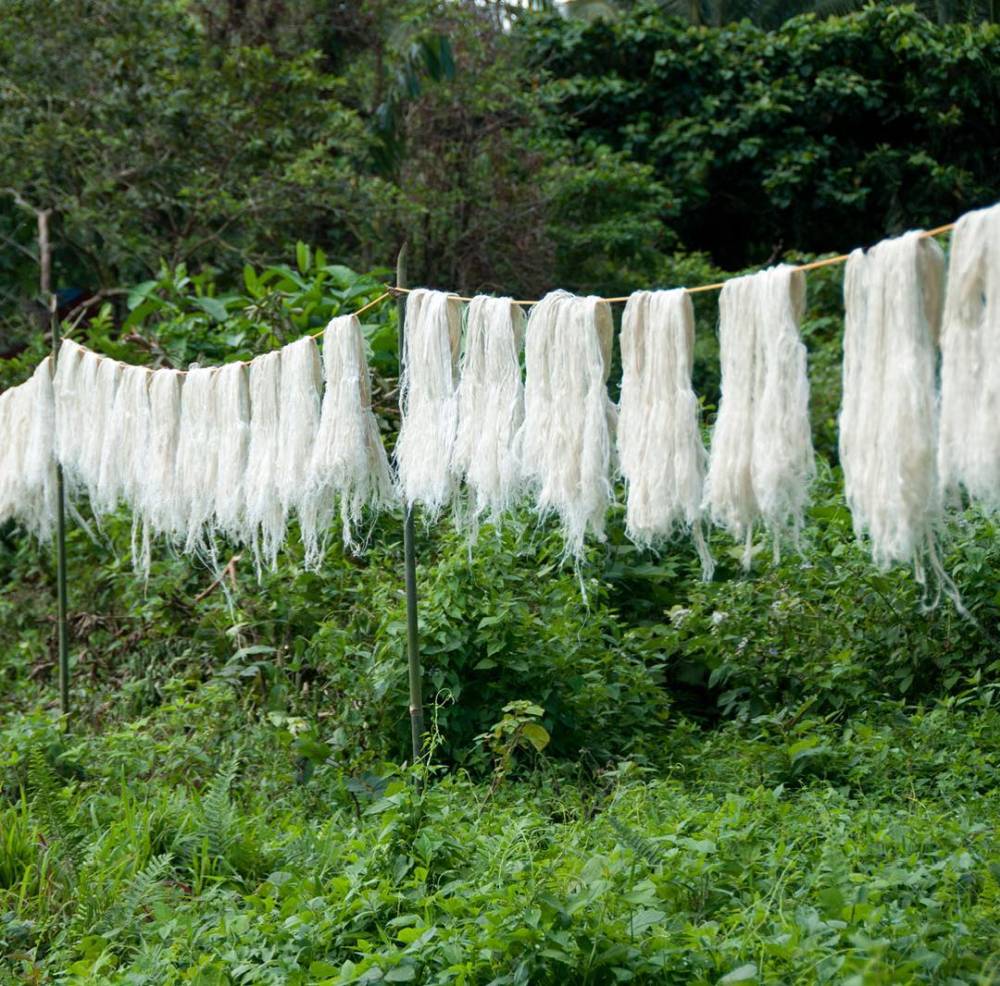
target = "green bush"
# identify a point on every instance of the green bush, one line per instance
(822, 134)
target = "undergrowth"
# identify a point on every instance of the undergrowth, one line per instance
(185, 847)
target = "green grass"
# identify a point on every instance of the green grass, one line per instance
(182, 847)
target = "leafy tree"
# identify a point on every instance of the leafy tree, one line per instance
(825, 133)
(773, 13)
(149, 143)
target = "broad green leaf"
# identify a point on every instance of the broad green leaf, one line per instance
(401, 974)
(139, 293)
(743, 974)
(536, 734)
(302, 256)
(212, 307)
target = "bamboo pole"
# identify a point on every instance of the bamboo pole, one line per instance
(410, 561)
(62, 629)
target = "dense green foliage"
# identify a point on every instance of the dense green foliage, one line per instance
(786, 776)
(513, 151)
(819, 135)
(782, 776)
(181, 847)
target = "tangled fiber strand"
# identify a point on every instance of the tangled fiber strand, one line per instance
(298, 423)
(126, 438)
(428, 400)
(159, 500)
(888, 418)
(198, 459)
(232, 411)
(265, 519)
(490, 406)
(568, 418)
(27, 456)
(40, 460)
(72, 407)
(660, 452)
(761, 462)
(85, 390)
(158, 508)
(783, 465)
(349, 464)
(969, 444)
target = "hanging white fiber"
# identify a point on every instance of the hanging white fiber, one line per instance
(72, 407)
(198, 458)
(490, 406)
(160, 502)
(27, 459)
(888, 418)
(40, 462)
(969, 445)
(158, 508)
(85, 389)
(123, 456)
(265, 518)
(660, 451)
(298, 423)
(232, 415)
(349, 465)
(568, 418)
(429, 404)
(761, 462)
(783, 461)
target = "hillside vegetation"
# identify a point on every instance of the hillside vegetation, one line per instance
(787, 775)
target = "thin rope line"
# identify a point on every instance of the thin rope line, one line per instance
(247, 362)
(360, 311)
(813, 265)
(392, 291)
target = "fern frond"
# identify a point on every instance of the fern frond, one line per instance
(219, 823)
(637, 842)
(48, 806)
(145, 889)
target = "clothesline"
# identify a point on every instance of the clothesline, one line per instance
(717, 286)
(392, 290)
(237, 455)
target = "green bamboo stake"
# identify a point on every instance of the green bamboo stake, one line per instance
(410, 561)
(61, 594)
(45, 283)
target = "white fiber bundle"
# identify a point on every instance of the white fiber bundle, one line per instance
(40, 462)
(761, 462)
(429, 404)
(349, 464)
(490, 406)
(660, 452)
(72, 406)
(126, 436)
(9, 467)
(160, 505)
(298, 423)
(265, 518)
(969, 445)
(197, 458)
(27, 460)
(783, 462)
(85, 389)
(15, 428)
(232, 416)
(156, 503)
(568, 418)
(888, 419)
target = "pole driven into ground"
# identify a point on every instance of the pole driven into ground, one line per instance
(410, 560)
(49, 298)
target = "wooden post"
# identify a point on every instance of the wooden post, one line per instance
(410, 560)
(48, 296)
